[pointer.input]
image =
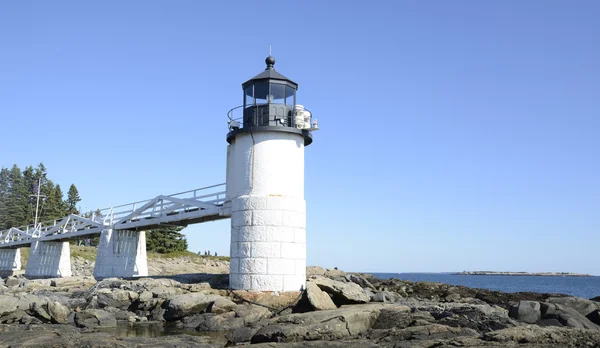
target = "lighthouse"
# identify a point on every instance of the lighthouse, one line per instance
(265, 184)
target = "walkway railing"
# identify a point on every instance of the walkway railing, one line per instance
(181, 208)
(295, 118)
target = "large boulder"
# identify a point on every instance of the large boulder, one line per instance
(362, 282)
(320, 271)
(395, 317)
(544, 336)
(554, 314)
(581, 305)
(251, 313)
(58, 312)
(594, 317)
(321, 325)
(115, 298)
(222, 305)
(320, 344)
(12, 282)
(208, 322)
(7, 305)
(526, 311)
(341, 293)
(179, 306)
(384, 296)
(92, 318)
(318, 299)
(395, 338)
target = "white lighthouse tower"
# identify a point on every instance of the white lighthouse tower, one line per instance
(265, 185)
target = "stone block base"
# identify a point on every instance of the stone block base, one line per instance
(121, 254)
(49, 260)
(10, 260)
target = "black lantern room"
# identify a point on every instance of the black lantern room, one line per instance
(270, 105)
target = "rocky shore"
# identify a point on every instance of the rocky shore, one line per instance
(539, 274)
(336, 310)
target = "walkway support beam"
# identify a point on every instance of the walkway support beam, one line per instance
(49, 260)
(121, 253)
(10, 261)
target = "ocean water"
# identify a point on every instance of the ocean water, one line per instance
(586, 287)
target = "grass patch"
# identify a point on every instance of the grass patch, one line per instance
(85, 252)
(187, 253)
(24, 257)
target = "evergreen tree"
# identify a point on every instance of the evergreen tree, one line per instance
(41, 171)
(167, 239)
(17, 201)
(72, 200)
(61, 207)
(49, 208)
(30, 183)
(4, 190)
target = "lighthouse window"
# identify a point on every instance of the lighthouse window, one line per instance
(290, 94)
(277, 94)
(261, 91)
(249, 96)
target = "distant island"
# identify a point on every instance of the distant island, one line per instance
(540, 274)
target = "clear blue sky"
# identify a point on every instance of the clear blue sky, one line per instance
(456, 135)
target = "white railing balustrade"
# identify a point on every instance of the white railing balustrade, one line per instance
(182, 207)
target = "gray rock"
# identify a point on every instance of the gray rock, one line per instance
(321, 325)
(396, 317)
(222, 305)
(425, 332)
(526, 311)
(223, 322)
(547, 308)
(12, 281)
(384, 296)
(549, 322)
(362, 282)
(58, 312)
(164, 291)
(318, 299)
(581, 305)
(115, 298)
(241, 335)
(38, 310)
(342, 293)
(570, 317)
(92, 318)
(7, 305)
(65, 336)
(453, 297)
(320, 344)
(544, 336)
(145, 296)
(18, 316)
(251, 313)
(179, 306)
(594, 317)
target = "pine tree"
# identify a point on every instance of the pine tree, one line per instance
(30, 183)
(4, 190)
(48, 205)
(17, 202)
(61, 207)
(165, 240)
(72, 200)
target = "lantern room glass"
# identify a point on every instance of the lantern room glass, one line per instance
(249, 96)
(276, 93)
(290, 96)
(261, 93)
